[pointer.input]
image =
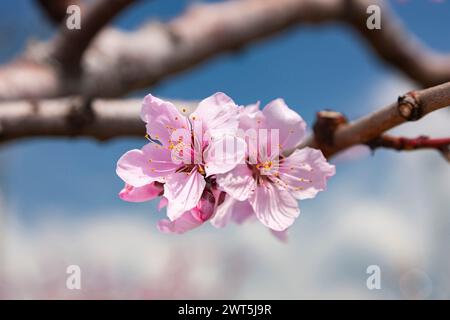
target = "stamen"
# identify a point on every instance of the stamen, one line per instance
(201, 170)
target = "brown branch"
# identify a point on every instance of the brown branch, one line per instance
(409, 107)
(106, 119)
(73, 117)
(70, 45)
(118, 62)
(396, 47)
(408, 144)
(442, 145)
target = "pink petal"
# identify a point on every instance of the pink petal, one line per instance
(305, 172)
(162, 119)
(280, 235)
(238, 183)
(274, 207)
(141, 194)
(223, 212)
(162, 203)
(199, 143)
(250, 109)
(250, 117)
(290, 124)
(223, 154)
(218, 114)
(205, 207)
(160, 161)
(187, 221)
(192, 218)
(134, 169)
(251, 120)
(183, 191)
(231, 210)
(242, 211)
(151, 163)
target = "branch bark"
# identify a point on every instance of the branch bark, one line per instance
(442, 145)
(409, 107)
(70, 45)
(107, 119)
(73, 117)
(396, 47)
(119, 62)
(408, 144)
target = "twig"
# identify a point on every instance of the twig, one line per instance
(408, 144)
(409, 107)
(442, 145)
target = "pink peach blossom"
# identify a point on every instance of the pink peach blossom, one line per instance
(193, 218)
(140, 194)
(270, 187)
(199, 180)
(183, 163)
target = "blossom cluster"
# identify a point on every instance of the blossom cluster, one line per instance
(223, 162)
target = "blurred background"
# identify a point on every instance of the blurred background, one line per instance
(59, 203)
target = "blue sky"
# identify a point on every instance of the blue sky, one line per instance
(310, 67)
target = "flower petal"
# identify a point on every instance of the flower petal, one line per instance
(141, 194)
(223, 213)
(238, 183)
(274, 207)
(280, 235)
(187, 221)
(162, 203)
(133, 168)
(223, 154)
(218, 115)
(242, 211)
(161, 162)
(250, 117)
(305, 172)
(183, 191)
(205, 207)
(231, 209)
(162, 119)
(290, 124)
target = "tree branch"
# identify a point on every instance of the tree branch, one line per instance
(73, 117)
(441, 145)
(396, 47)
(70, 45)
(409, 107)
(408, 144)
(119, 62)
(107, 119)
